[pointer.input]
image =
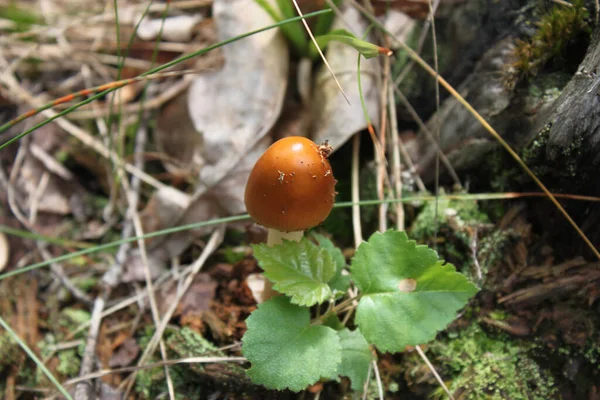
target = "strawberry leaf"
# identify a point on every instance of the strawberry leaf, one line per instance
(299, 270)
(286, 352)
(408, 294)
(356, 357)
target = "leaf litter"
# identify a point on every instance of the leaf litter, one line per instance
(208, 135)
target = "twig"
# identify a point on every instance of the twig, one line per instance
(356, 224)
(58, 271)
(190, 360)
(396, 162)
(83, 390)
(433, 371)
(367, 381)
(381, 164)
(413, 113)
(473, 246)
(378, 379)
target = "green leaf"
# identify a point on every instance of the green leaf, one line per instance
(293, 31)
(368, 50)
(339, 282)
(356, 357)
(286, 352)
(299, 270)
(325, 21)
(407, 293)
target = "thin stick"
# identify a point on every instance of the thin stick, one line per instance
(356, 224)
(366, 385)
(381, 166)
(320, 52)
(35, 359)
(415, 116)
(83, 390)
(396, 162)
(190, 360)
(378, 379)
(432, 369)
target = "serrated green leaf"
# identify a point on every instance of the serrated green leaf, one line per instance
(299, 270)
(368, 50)
(408, 295)
(356, 357)
(286, 352)
(339, 282)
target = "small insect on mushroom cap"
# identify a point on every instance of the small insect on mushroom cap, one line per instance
(291, 187)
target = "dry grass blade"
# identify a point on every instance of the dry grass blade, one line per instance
(438, 378)
(190, 360)
(319, 50)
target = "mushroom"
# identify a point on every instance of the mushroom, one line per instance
(290, 189)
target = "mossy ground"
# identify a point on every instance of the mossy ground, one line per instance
(477, 364)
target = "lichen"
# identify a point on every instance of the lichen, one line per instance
(563, 164)
(479, 365)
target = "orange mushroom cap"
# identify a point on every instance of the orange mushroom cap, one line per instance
(291, 187)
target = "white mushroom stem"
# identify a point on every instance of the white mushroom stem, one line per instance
(275, 237)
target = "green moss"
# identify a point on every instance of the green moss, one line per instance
(456, 220)
(493, 248)
(182, 343)
(479, 365)
(72, 318)
(68, 363)
(556, 32)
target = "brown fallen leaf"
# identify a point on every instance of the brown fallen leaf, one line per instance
(125, 354)
(199, 296)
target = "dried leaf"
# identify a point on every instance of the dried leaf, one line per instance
(198, 297)
(235, 108)
(334, 119)
(125, 355)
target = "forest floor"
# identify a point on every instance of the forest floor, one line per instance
(171, 154)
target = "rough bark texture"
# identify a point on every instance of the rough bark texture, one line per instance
(552, 120)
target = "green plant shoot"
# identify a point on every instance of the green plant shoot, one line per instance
(406, 295)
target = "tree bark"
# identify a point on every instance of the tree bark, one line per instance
(552, 120)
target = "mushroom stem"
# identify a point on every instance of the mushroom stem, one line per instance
(275, 237)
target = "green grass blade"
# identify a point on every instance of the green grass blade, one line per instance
(160, 68)
(478, 196)
(37, 361)
(120, 242)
